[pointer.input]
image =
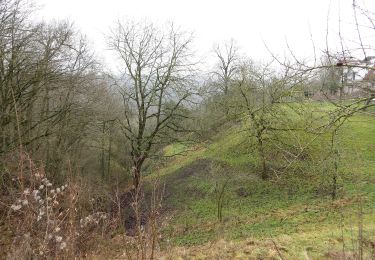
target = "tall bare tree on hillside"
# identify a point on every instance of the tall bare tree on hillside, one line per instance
(263, 100)
(155, 84)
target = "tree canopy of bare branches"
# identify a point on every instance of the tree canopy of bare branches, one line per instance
(155, 85)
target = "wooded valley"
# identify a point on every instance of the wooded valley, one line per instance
(170, 158)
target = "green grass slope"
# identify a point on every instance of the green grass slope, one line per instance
(293, 208)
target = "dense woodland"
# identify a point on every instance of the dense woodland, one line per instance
(254, 160)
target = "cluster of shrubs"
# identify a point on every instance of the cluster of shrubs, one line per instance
(45, 217)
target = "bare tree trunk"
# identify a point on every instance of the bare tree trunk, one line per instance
(220, 199)
(262, 156)
(335, 155)
(360, 229)
(109, 151)
(136, 174)
(102, 167)
(334, 180)
(45, 114)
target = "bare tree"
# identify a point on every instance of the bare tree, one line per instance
(16, 56)
(48, 80)
(263, 100)
(227, 66)
(155, 85)
(345, 73)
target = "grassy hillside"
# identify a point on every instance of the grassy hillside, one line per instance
(291, 212)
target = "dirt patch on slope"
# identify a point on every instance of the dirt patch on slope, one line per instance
(176, 180)
(199, 167)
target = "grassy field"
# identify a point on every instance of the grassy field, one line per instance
(290, 214)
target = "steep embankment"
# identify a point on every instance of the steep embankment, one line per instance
(290, 214)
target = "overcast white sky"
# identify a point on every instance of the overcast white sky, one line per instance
(249, 22)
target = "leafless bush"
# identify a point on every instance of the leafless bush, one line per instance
(222, 178)
(40, 213)
(43, 217)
